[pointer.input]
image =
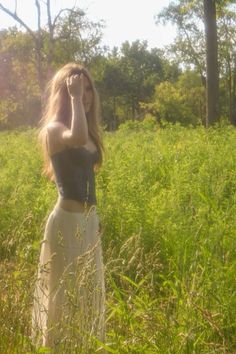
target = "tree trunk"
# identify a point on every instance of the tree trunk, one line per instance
(233, 110)
(212, 84)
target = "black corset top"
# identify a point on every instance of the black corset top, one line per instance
(74, 172)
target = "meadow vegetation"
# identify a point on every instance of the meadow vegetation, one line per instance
(167, 205)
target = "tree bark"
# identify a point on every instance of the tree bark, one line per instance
(233, 109)
(212, 84)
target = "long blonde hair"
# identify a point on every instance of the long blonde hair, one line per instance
(58, 108)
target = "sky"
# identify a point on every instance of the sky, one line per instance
(124, 19)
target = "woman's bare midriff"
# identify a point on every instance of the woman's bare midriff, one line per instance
(73, 205)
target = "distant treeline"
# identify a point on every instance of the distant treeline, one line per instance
(133, 81)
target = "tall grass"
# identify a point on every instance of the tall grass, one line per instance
(167, 205)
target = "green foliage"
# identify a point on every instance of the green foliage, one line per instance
(27, 62)
(183, 101)
(20, 102)
(129, 77)
(189, 47)
(77, 38)
(126, 77)
(24, 193)
(166, 200)
(148, 123)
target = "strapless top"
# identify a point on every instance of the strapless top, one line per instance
(74, 173)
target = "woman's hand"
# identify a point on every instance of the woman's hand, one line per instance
(75, 85)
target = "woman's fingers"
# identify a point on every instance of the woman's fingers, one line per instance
(77, 76)
(74, 78)
(75, 84)
(71, 79)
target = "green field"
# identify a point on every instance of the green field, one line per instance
(167, 204)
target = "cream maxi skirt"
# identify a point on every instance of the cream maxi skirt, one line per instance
(69, 299)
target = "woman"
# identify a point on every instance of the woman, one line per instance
(69, 301)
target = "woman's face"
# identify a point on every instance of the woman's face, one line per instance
(88, 95)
